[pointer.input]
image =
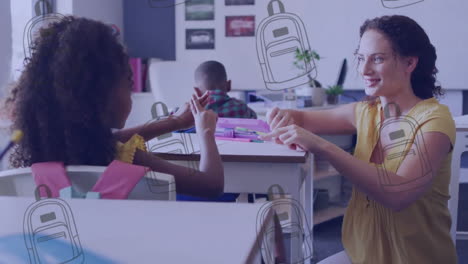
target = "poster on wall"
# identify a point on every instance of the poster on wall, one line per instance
(240, 26)
(199, 10)
(239, 2)
(203, 38)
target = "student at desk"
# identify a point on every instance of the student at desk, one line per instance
(398, 211)
(211, 78)
(76, 88)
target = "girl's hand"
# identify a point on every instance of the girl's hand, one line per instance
(277, 118)
(205, 120)
(184, 114)
(296, 138)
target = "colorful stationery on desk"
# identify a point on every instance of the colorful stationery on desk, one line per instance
(241, 129)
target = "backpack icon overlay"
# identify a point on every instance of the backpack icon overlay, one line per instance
(278, 37)
(406, 141)
(46, 223)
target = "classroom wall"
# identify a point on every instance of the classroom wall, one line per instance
(5, 44)
(333, 31)
(108, 11)
(21, 13)
(149, 32)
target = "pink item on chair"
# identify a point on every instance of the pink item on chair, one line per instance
(117, 181)
(53, 175)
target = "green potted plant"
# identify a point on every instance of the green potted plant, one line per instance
(314, 89)
(333, 93)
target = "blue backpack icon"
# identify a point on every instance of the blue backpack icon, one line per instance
(278, 38)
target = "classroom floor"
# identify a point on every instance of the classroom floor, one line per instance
(327, 236)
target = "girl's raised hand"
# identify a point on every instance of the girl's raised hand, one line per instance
(205, 120)
(184, 115)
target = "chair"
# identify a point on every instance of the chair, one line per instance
(154, 186)
(461, 146)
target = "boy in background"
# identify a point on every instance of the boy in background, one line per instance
(211, 76)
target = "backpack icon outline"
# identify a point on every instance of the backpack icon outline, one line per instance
(33, 26)
(288, 33)
(299, 228)
(178, 143)
(59, 223)
(393, 4)
(406, 141)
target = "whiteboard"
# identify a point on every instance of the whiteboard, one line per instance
(333, 31)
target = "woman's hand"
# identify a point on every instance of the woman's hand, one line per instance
(277, 118)
(297, 138)
(205, 120)
(184, 115)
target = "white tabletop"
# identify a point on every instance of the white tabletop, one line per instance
(461, 122)
(125, 231)
(231, 151)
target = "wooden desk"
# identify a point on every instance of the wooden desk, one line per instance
(253, 168)
(124, 231)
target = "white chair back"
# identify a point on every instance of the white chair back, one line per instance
(154, 186)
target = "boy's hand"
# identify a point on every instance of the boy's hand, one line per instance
(205, 120)
(184, 115)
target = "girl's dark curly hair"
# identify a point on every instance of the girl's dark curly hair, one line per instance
(62, 97)
(410, 39)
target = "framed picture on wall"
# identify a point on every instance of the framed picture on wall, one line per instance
(199, 10)
(239, 2)
(240, 26)
(200, 38)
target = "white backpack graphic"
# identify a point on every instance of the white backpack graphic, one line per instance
(178, 143)
(399, 3)
(32, 29)
(278, 38)
(285, 209)
(406, 141)
(47, 223)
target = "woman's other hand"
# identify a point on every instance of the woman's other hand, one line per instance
(296, 137)
(277, 118)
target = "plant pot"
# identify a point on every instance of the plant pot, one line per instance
(318, 96)
(310, 96)
(332, 99)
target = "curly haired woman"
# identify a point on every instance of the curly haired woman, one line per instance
(400, 170)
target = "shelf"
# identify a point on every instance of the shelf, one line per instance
(321, 174)
(328, 214)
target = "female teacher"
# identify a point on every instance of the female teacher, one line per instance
(398, 210)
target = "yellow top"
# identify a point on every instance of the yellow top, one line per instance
(126, 151)
(420, 233)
